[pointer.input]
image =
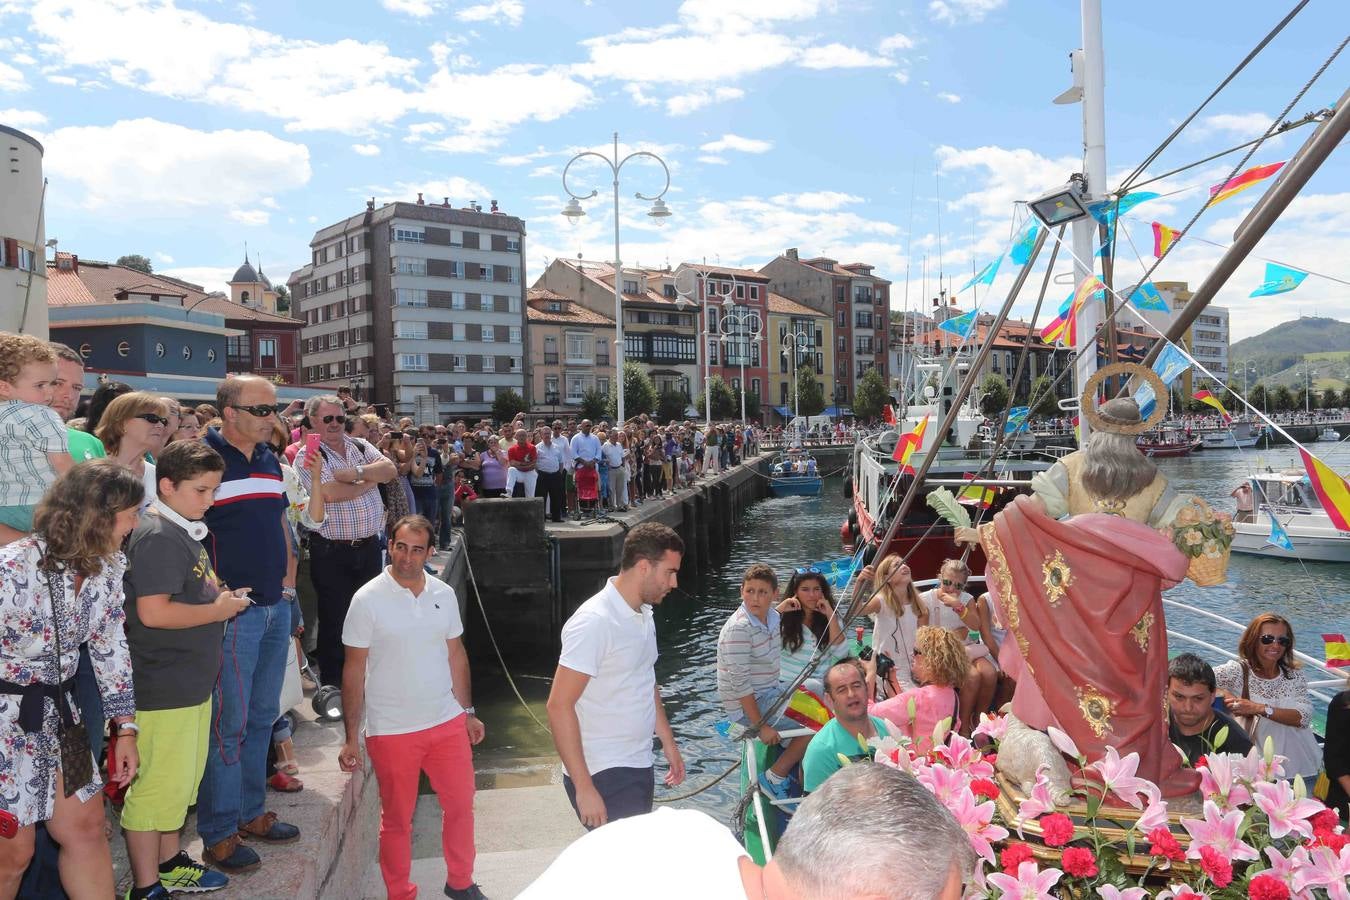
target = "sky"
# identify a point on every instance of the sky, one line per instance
(900, 133)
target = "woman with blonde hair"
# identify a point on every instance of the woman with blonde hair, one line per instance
(133, 425)
(899, 614)
(940, 666)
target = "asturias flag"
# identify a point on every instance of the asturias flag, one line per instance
(1330, 488)
(1147, 296)
(908, 443)
(1338, 651)
(1239, 183)
(1278, 536)
(1163, 237)
(1017, 419)
(959, 325)
(1021, 248)
(986, 275)
(1206, 397)
(1279, 280)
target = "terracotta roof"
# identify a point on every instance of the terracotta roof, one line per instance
(731, 270)
(602, 273)
(784, 306)
(64, 288)
(146, 287)
(543, 294)
(103, 281)
(571, 313)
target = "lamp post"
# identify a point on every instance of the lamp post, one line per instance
(702, 293)
(659, 211)
(1308, 373)
(748, 326)
(798, 344)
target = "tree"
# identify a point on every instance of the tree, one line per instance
(1257, 398)
(670, 406)
(507, 404)
(283, 299)
(870, 397)
(752, 407)
(994, 395)
(594, 404)
(1043, 402)
(1283, 399)
(1330, 399)
(810, 399)
(1301, 398)
(639, 394)
(725, 403)
(135, 261)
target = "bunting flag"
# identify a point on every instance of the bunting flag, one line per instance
(888, 414)
(986, 275)
(1147, 296)
(1278, 536)
(1163, 238)
(807, 710)
(1169, 365)
(1021, 248)
(1064, 327)
(976, 494)
(1239, 183)
(1338, 651)
(1279, 280)
(1108, 211)
(1330, 488)
(961, 325)
(1206, 397)
(1017, 419)
(908, 443)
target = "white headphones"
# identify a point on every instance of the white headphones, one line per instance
(195, 530)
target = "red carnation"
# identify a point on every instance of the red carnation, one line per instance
(1079, 862)
(1267, 887)
(1331, 839)
(1056, 830)
(1326, 820)
(1013, 856)
(983, 787)
(1216, 866)
(1202, 762)
(1164, 844)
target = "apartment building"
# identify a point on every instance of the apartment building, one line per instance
(571, 350)
(1207, 339)
(859, 303)
(787, 352)
(735, 337)
(23, 236)
(413, 300)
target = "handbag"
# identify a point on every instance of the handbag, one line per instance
(77, 762)
(1249, 723)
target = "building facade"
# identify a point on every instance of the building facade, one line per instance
(857, 300)
(734, 337)
(570, 351)
(787, 353)
(23, 236)
(1207, 339)
(417, 299)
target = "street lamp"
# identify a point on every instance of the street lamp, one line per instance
(702, 292)
(747, 326)
(798, 344)
(1308, 374)
(659, 211)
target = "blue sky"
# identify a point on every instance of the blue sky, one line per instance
(183, 129)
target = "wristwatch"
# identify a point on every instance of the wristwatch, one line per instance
(360, 473)
(128, 728)
(470, 710)
(1270, 712)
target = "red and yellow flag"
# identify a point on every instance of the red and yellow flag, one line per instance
(1207, 397)
(1239, 183)
(1330, 488)
(976, 494)
(1338, 651)
(1163, 237)
(888, 414)
(807, 710)
(908, 443)
(1064, 327)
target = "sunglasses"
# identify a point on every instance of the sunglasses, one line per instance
(947, 582)
(807, 570)
(152, 418)
(329, 419)
(1282, 640)
(261, 411)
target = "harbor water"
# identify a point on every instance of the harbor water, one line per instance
(797, 531)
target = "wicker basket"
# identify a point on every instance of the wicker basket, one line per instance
(1209, 571)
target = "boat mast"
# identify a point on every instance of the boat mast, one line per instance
(1094, 171)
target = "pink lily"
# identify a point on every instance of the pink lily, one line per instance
(1118, 777)
(1217, 782)
(1111, 892)
(946, 784)
(1287, 813)
(961, 754)
(1254, 768)
(1328, 870)
(1031, 882)
(977, 821)
(1038, 804)
(992, 727)
(1218, 830)
(1155, 815)
(1286, 868)
(1063, 742)
(1182, 892)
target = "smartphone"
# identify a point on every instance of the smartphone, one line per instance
(243, 594)
(9, 824)
(311, 444)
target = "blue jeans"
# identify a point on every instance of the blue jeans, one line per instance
(244, 705)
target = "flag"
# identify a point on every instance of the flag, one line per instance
(1077, 435)
(888, 414)
(1107, 211)
(908, 443)
(976, 494)
(1163, 238)
(1208, 398)
(1236, 185)
(1064, 327)
(1021, 248)
(1278, 536)
(1330, 488)
(807, 710)
(1338, 651)
(961, 325)
(1279, 280)
(986, 275)
(1017, 419)
(1146, 296)
(1169, 365)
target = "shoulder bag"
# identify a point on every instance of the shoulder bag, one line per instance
(77, 763)
(1249, 724)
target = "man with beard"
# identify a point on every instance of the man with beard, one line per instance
(605, 704)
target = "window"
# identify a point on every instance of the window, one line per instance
(820, 363)
(412, 362)
(457, 300)
(410, 330)
(634, 347)
(754, 355)
(601, 352)
(843, 318)
(863, 319)
(513, 304)
(602, 385)
(489, 394)
(712, 351)
(267, 353)
(456, 238)
(461, 394)
(842, 344)
(406, 236)
(457, 362)
(550, 386)
(513, 245)
(457, 331)
(515, 334)
(456, 269)
(669, 291)
(515, 364)
(406, 265)
(754, 386)
(486, 303)
(489, 334)
(159, 349)
(630, 287)
(576, 348)
(485, 273)
(410, 297)
(740, 292)
(550, 350)
(754, 292)
(578, 383)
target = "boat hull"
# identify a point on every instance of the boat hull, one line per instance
(925, 550)
(1322, 545)
(1227, 441)
(796, 486)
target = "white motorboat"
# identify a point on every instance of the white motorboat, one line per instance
(1237, 434)
(1288, 498)
(1328, 434)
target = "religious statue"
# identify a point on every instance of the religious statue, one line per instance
(1077, 571)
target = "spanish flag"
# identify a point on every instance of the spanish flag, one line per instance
(1207, 397)
(908, 443)
(1330, 488)
(976, 494)
(888, 414)
(1064, 327)
(807, 710)
(1338, 651)
(1236, 185)
(1163, 237)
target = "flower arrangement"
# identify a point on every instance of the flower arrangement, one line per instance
(1204, 537)
(1258, 837)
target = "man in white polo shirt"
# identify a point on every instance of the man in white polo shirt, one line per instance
(405, 656)
(605, 704)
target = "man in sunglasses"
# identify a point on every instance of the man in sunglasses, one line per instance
(346, 553)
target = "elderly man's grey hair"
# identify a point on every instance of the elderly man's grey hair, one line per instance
(872, 831)
(313, 403)
(1113, 467)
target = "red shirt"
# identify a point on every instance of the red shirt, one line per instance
(521, 453)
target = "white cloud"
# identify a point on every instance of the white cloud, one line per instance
(250, 217)
(63, 80)
(639, 97)
(22, 118)
(716, 56)
(895, 42)
(107, 168)
(738, 143)
(684, 104)
(419, 9)
(545, 171)
(366, 149)
(902, 77)
(712, 160)
(419, 131)
(948, 97)
(839, 56)
(710, 16)
(164, 258)
(963, 12)
(817, 200)
(211, 278)
(488, 104)
(11, 79)
(521, 159)
(509, 12)
(1240, 126)
(434, 191)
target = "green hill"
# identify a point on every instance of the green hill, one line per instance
(1280, 352)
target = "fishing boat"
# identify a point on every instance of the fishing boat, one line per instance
(794, 474)
(1167, 442)
(1238, 434)
(1328, 434)
(1288, 498)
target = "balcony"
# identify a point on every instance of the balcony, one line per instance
(602, 359)
(582, 360)
(550, 359)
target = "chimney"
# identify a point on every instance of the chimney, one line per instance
(494, 210)
(791, 253)
(445, 202)
(370, 204)
(420, 201)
